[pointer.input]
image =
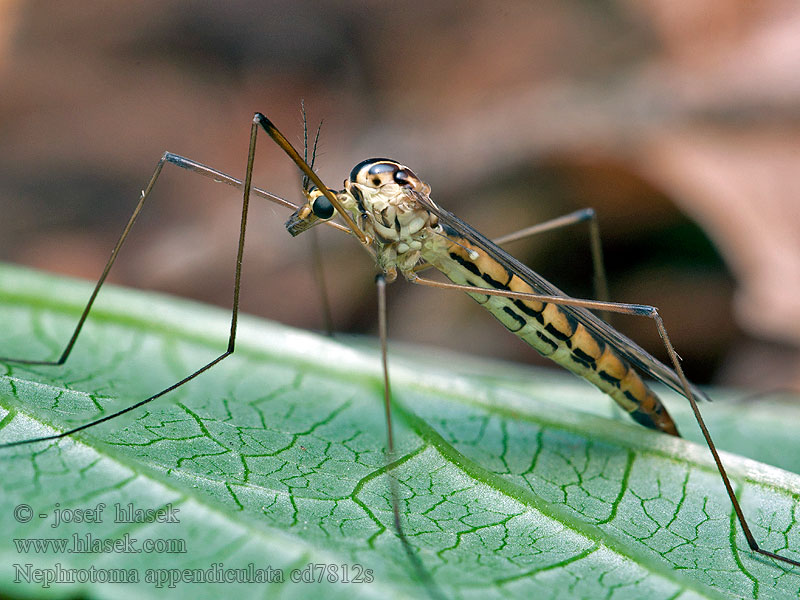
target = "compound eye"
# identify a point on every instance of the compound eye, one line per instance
(374, 172)
(405, 177)
(322, 207)
(380, 173)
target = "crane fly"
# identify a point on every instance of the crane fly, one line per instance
(389, 210)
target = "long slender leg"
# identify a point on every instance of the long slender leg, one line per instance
(234, 311)
(573, 218)
(319, 277)
(651, 312)
(284, 144)
(316, 254)
(220, 177)
(184, 163)
(71, 343)
(422, 573)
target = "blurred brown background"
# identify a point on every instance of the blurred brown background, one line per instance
(678, 122)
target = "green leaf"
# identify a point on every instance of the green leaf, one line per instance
(514, 482)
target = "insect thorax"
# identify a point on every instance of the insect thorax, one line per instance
(399, 225)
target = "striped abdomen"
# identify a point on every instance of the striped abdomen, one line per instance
(554, 333)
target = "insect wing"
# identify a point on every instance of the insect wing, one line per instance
(625, 346)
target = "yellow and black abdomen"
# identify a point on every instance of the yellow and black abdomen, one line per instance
(554, 333)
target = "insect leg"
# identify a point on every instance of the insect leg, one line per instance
(422, 573)
(234, 311)
(284, 144)
(319, 276)
(573, 218)
(651, 312)
(71, 343)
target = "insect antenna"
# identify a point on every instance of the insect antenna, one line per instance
(305, 142)
(316, 253)
(316, 141)
(306, 182)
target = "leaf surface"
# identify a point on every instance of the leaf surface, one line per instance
(514, 482)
